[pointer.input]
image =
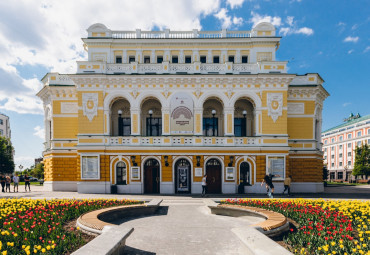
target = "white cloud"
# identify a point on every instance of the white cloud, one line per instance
(48, 35)
(354, 27)
(226, 20)
(367, 49)
(350, 51)
(346, 104)
(304, 30)
(39, 132)
(290, 20)
(235, 3)
(25, 161)
(257, 18)
(351, 39)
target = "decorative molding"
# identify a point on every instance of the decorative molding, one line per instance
(275, 105)
(90, 105)
(295, 108)
(69, 107)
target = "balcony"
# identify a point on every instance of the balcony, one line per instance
(193, 68)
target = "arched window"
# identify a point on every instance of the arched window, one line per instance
(243, 118)
(121, 173)
(151, 114)
(120, 118)
(213, 117)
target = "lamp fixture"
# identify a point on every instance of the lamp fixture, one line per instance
(119, 112)
(231, 160)
(245, 113)
(166, 160)
(150, 112)
(213, 112)
(133, 160)
(198, 160)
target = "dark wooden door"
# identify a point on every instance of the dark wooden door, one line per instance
(151, 177)
(244, 173)
(182, 176)
(214, 179)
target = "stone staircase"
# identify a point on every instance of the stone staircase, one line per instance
(182, 201)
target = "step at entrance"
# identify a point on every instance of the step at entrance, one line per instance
(169, 202)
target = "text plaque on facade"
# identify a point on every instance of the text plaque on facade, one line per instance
(90, 168)
(198, 172)
(135, 173)
(182, 114)
(276, 166)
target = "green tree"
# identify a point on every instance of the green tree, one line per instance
(38, 171)
(6, 156)
(362, 161)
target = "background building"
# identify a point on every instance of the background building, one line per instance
(339, 144)
(153, 111)
(5, 126)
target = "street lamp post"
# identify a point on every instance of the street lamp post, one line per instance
(245, 122)
(150, 121)
(213, 122)
(120, 129)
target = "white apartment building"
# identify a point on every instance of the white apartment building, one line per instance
(4, 126)
(339, 144)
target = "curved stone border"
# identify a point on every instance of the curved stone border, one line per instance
(274, 225)
(112, 238)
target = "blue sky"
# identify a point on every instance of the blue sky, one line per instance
(329, 37)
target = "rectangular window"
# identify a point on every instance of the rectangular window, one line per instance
(340, 175)
(359, 133)
(349, 163)
(240, 129)
(244, 59)
(332, 164)
(159, 59)
(340, 155)
(216, 59)
(210, 126)
(203, 59)
(124, 126)
(325, 157)
(153, 126)
(332, 156)
(332, 148)
(175, 59)
(326, 149)
(340, 147)
(359, 144)
(90, 168)
(131, 59)
(276, 166)
(326, 142)
(147, 60)
(231, 59)
(340, 163)
(349, 136)
(340, 138)
(1, 122)
(349, 154)
(332, 175)
(332, 140)
(349, 145)
(368, 141)
(187, 59)
(118, 59)
(368, 131)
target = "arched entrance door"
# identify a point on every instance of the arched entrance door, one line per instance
(151, 176)
(244, 174)
(182, 176)
(214, 176)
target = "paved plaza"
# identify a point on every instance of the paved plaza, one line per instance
(184, 224)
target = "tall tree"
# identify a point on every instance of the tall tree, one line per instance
(362, 161)
(6, 156)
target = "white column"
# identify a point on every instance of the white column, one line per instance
(124, 57)
(237, 57)
(152, 57)
(209, 57)
(181, 57)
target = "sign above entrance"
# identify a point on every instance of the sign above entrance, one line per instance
(182, 114)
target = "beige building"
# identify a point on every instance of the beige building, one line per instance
(153, 111)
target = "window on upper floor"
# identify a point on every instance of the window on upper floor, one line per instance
(216, 59)
(332, 148)
(341, 138)
(359, 133)
(325, 157)
(159, 59)
(332, 156)
(349, 163)
(244, 59)
(332, 165)
(326, 142)
(349, 154)
(147, 60)
(326, 149)
(187, 59)
(332, 140)
(119, 59)
(340, 147)
(349, 136)
(349, 145)
(175, 59)
(203, 59)
(231, 59)
(1, 122)
(359, 143)
(340, 155)
(340, 164)
(131, 59)
(368, 131)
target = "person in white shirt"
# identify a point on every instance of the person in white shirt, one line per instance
(16, 181)
(204, 185)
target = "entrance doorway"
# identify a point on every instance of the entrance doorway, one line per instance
(244, 174)
(182, 176)
(151, 176)
(214, 175)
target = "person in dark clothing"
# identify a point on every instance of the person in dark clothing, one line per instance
(2, 181)
(27, 183)
(269, 185)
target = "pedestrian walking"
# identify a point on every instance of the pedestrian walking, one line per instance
(204, 185)
(16, 181)
(269, 185)
(2, 181)
(27, 183)
(7, 184)
(287, 183)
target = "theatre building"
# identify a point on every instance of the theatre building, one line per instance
(153, 111)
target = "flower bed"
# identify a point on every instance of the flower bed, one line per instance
(36, 226)
(325, 227)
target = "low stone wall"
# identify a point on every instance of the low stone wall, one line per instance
(112, 238)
